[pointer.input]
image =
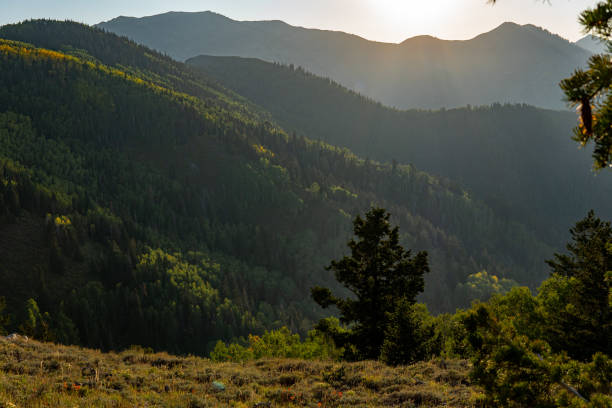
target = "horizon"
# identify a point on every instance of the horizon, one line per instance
(388, 21)
(344, 32)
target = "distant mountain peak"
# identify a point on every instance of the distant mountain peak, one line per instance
(168, 14)
(509, 25)
(507, 29)
(510, 31)
(593, 44)
(119, 19)
(420, 38)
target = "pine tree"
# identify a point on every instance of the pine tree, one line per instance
(4, 318)
(408, 337)
(379, 273)
(584, 325)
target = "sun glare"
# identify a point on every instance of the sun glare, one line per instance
(396, 8)
(412, 16)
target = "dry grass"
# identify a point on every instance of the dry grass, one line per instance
(34, 374)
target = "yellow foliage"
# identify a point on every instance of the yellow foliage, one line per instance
(30, 53)
(62, 221)
(262, 151)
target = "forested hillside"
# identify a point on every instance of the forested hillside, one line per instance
(519, 159)
(510, 64)
(143, 204)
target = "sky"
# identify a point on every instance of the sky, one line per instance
(377, 20)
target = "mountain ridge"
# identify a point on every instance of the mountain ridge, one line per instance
(593, 44)
(482, 148)
(510, 64)
(501, 26)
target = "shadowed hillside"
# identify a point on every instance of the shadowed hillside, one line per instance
(519, 159)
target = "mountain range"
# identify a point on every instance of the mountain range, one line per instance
(511, 64)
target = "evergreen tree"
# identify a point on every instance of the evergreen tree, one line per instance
(589, 89)
(4, 318)
(36, 323)
(408, 337)
(380, 273)
(515, 367)
(582, 324)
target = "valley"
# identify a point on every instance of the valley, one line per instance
(199, 211)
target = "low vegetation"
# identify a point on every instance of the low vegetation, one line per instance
(44, 374)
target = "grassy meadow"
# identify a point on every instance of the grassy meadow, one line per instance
(35, 374)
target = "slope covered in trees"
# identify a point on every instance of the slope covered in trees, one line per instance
(143, 204)
(519, 159)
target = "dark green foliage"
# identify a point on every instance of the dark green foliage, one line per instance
(4, 318)
(410, 335)
(581, 314)
(507, 155)
(510, 373)
(553, 349)
(36, 324)
(56, 263)
(519, 370)
(170, 305)
(381, 276)
(97, 46)
(64, 329)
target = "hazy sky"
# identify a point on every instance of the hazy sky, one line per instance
(380, 20)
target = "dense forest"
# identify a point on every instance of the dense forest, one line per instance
(143, 203)
(516, 158)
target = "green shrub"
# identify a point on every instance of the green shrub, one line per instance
(277, 343)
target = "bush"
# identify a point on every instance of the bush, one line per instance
(277, 343)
